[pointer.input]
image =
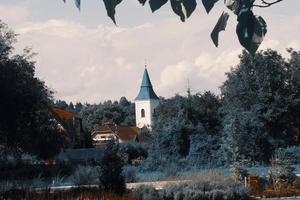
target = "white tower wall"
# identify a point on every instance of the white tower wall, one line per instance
(149, 108)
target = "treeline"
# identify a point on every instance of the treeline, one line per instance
(257, 112)
(120, 112)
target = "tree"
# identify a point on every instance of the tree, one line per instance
(95, 115)
(259, 105)
(61, 104)
(251, 29)
(133, 150)
(25, 125)
(111, 178)
(78, 107)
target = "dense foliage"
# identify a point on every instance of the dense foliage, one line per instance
(208, 190)
(186, 132)
(69, 107)
(261, 106)
(110, 175)
(120, 112)
(25, 125)
(258, 113)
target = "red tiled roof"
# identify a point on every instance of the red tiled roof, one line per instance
(126, 133)
(64, 115)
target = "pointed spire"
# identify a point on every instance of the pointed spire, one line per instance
(146, 79)
(146, 91)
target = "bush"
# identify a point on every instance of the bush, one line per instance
(85, 175)
(281, 172)
(23, 171)
(129, 172)
(145, 193)
(110, 176)
(195, 191)
(132, 151)
(291, 153)
(239, 170)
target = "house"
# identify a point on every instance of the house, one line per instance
(110, 132)
(70, 124)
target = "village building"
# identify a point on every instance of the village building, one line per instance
(70, 125)
(109, 132)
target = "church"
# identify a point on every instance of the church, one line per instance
(145, 105)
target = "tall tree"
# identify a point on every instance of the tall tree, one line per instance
(258, 101)
(111, 178)
(24, 122)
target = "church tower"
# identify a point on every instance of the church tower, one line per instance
(145, 103)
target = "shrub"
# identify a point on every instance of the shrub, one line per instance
(291, 153)
(110, 173)
(129, 172)
(281, 172)
(133, 151)
(239, 170)
(145, 193)
(85, 175)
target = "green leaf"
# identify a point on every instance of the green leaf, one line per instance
(183, 8)
(110, 6)
(77, 3)
(237, 6)
(156, 4)
(208, 4)
(220, 26)
(142, 2)
(251, 31)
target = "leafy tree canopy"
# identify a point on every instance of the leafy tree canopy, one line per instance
(25, 126)
(120, 112)
(261, 105)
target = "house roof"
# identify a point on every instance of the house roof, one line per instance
(126, 133)
(146, 90)
(64, 115)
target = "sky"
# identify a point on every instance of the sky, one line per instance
(84, 57)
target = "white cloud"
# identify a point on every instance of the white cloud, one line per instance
(13, 14)
(91, 64)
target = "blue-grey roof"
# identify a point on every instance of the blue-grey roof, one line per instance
(146, 91)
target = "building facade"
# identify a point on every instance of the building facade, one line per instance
(145, 103)
(109, 132)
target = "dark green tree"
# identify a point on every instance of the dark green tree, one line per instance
(25, 126)
(111, 178)
(259, 106)
(95, 115)
(61, 104)
(78, 107)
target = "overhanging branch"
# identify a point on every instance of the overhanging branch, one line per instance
(265, 4)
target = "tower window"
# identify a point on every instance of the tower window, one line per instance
(142, 113)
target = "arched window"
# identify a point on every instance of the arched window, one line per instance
(142, 113)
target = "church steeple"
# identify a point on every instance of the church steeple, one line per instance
(146, 90)
(145, 103)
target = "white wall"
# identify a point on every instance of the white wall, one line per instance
(148, 106)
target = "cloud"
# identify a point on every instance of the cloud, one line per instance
(96, 63)
(13, 14)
